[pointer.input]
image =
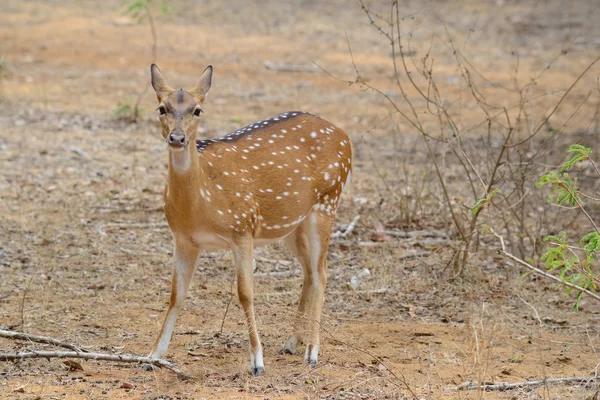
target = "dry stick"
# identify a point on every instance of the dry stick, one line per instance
(270, 261)
(38, 339)
(289, 67)
(413, 234)
(539, 271)
(329, 292)
(417, 254)
(227, 307)
(136, 225)
(517, 385)
(349, 229)
(128, 358)
(22, 306)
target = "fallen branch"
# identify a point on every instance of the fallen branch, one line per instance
(329, 292)
(270, 261)
(127, 358)
(349, 229)
(136, 225)
(290, 67)
(38, 339)
(416, 254)
(518, 385)
(539, 271)
(227, 308)
(412, 234)
(431, 242)
(285, 274)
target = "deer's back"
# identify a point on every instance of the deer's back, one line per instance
(269, 175)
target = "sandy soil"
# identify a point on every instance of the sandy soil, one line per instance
(85, 252)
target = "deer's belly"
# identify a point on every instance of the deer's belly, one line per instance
(267, 241)
(211, 241)
(207, 240)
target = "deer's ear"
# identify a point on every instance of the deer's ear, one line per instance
(203, 84)
(159, 83)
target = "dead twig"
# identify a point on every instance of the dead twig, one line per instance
(290, 67)
(543, 123)
(349, 229)
(412, 234)
(285, 274)
(227, 307)
(329, 292)
(38, 339)
(136, 225)
(416, 254)
(271, 261)
(518, 385)
(127, 358)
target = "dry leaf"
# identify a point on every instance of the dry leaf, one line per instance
(379, 237)
(73, 365)
(20, 389)
(378, 234)
(197, 354)
(97, 286)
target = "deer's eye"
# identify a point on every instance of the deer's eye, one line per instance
(162, 110)
(197, 112)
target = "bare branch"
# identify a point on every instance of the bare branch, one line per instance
(38, 339)
(519, 385)
(349, 229)
(543, 123)
(126, 358)
(290, 67)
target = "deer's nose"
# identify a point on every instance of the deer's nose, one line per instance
(176, 139)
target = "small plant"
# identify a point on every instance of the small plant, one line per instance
(127, 111)
(140, 10)
(574, 264)
(516, 359)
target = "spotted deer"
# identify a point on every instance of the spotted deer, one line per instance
(277, 179)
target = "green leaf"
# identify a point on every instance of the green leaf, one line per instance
(580, 153)
(483, 200)
(591, 243)
(563, 186)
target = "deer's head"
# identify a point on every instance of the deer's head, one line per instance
(179, 110)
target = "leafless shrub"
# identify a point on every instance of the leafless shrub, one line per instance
(494, 133)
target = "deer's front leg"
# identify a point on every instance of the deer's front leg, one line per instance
(184, 262)
(243, 256)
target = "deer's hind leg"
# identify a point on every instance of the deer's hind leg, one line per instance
(318, 229)
(297, 244)
(310, 243)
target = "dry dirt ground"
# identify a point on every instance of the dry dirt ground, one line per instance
(85, 252)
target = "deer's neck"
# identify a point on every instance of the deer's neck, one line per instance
(186, 175)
